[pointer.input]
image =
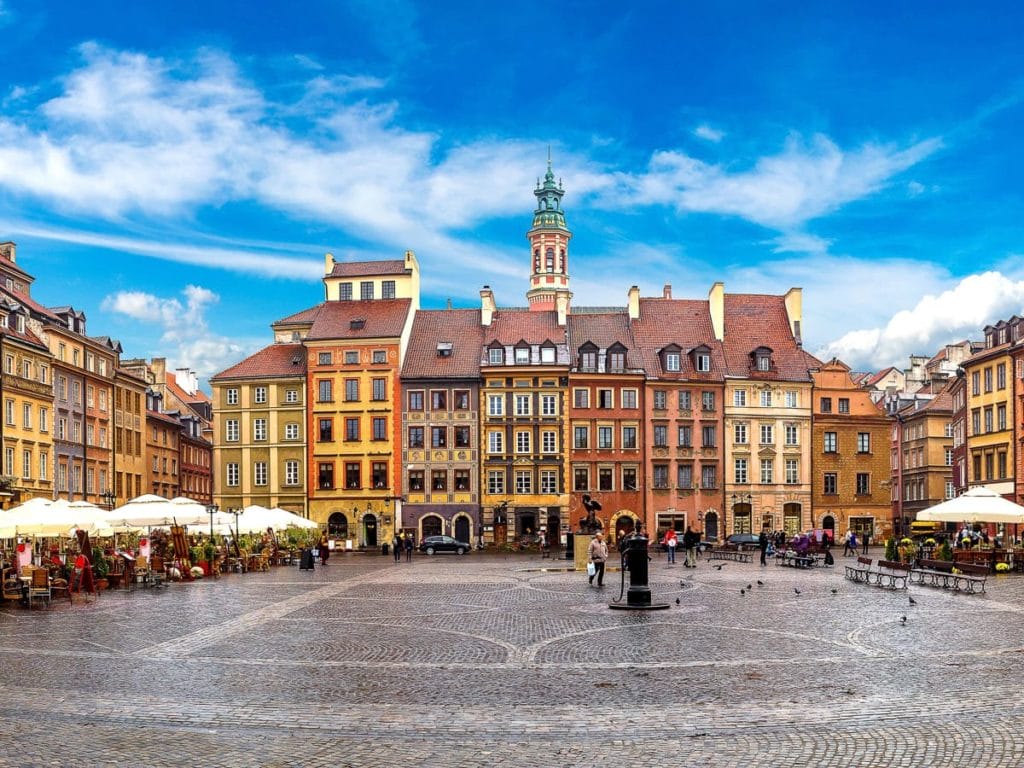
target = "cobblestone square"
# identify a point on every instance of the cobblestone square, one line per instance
(514, 661)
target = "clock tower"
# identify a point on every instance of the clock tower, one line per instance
(549, 248)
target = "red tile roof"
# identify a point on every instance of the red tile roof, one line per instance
(509, 326)
(459, 327)
(381, 319)
(877, 377)
(684, 322)
(276, 361)
(368, 268)
(603, 330)
(305, 316)
(758, 320)
(181, 394)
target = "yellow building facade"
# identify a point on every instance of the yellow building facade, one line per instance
(990, 413)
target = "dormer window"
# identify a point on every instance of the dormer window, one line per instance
(703, 363)
(762, 359)
(496, 354)
(356, 325)
(547, 353)
(672, 362)
(522, 355)
(444, 349)
(588, 357)
(616, 357)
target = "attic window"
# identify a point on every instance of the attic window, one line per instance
(444, 349)
(703, 363)
(522, 355)
(671, 361)
(356, 325)
(296, 359)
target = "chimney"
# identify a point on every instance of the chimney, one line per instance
(449, 303)
(633, 302)
(666, 292)
(716, 307)
(487, 308)
(795, 310)
(328, 263)
(562, 306)
(8, 250)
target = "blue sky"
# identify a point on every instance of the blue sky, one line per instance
(178, 170)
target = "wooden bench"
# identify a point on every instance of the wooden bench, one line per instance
(892, 574)
(729, 554)
(944, 574)
(791, 559)
(861, 571)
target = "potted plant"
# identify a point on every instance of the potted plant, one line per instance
(100, 568)
(209, 563)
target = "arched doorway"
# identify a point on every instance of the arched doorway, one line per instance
(526, 522)
(337, 525)
(791, 516)
(711, 525)
(554, 531)
(741, 518)
(767, 522)
(829, 524)
(500, 523)
(431, 525)
(462, 525)
(624, 525)
(370, 529)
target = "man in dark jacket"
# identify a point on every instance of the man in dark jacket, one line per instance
(762, 542)
(690, 540)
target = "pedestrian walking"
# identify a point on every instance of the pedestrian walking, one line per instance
(853, 543)
(690, 540)
(408, 547)
(865, 537)
(762, 543)
(671, 542)
(597, 553)
(396, 544)
(846, 542)
(324, 549)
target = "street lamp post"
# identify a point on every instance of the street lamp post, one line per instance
(212, 509)
(109, 499)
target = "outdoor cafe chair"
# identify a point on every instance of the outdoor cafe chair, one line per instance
(39, 587)
(157, 575)
(142, 572)
(11, 585)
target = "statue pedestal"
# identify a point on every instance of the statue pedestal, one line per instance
(581, 543)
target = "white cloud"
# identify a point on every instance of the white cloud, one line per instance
(706, 132)
(185, 338)
(954, 314)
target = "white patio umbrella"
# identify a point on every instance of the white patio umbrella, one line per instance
(149, 511)
(978, 505)
(53, 519)
(293, 520)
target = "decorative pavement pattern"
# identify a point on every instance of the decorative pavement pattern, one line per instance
(493, 660)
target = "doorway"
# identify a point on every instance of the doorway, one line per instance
(337, 526)
(431, 525)
(462, 528)
(711, 526)
(370, 529)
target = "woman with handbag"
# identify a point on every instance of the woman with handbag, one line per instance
(598, 553)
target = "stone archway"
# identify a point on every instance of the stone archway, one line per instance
(337, 525)
(370, 529)
(461, 528)
(431, 525)
(711, 525)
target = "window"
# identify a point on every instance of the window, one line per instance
(379, 389)
(291, 396)
(703, 362)
(629, 438)
(461, 479)
(380, 428)
(495, 355)
(581, 398)
(588, 361)
(740, 433)
(976, 383)
(766, 398)
(353, 475)
(581, 479)
(379, 471)
(232, 474)
(231, 430)
(863, 442)
(767, 471)
(629, 478)
(1001, 376)
(684, 476)
(522, 403)
(792, 471)
(325, 428)
(548, 405)
(291, 431)
(740, 471)
(616, 361)
(988, 419)
(604, 479)
(366, 290)
(844, 405)
(522, 358)
(826, 405)
(522, 441)
(660, 435)
(387, 289)
(325, 391)
(684, 400)
(352, 357)
(708, 476)
(259, 394)
(660, 476)
(291, 472)
(462, 437)
(325, 476)
(685, 436)
(792, 434)
(415, 437)
(416, 400)
(767, 434)
(547, 354)
(438, 437)
(975, 422)
(660, 400)
(581, 437)
(524, 481)
(259, 473)
(863, 483)
(672, 361)
(604, 438)
(830, 442)
(259, 429)
(988, 379)
(26, 416)
(628, 398)
(605, 398)
(324, 358)
(1001, 416)
(949, 457)
(352, 429)
(949, 490)
(830, 484)
(26, 464)
(345, 292)
(707, 436)
(351, 390)
(44, 420)
(1001, 464)
(44, 466)
(707, 401)
(415, 479)
(739, 398)
(495, 442)
(495, 405)
(461, 400)
(764, 363)
(548, 441)
(496, 481)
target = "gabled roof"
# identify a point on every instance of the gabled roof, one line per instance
(603, 330)
(510, 326)
(306, 316)
(171, 382)
(754, 320)
(684, 322)
(381, 319)
(874, 378)
(369, 268)
(276, 361)
(459, 327)
(26, 336)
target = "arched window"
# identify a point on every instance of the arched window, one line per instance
(337, 526)
(549, 259)
(432, 525)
